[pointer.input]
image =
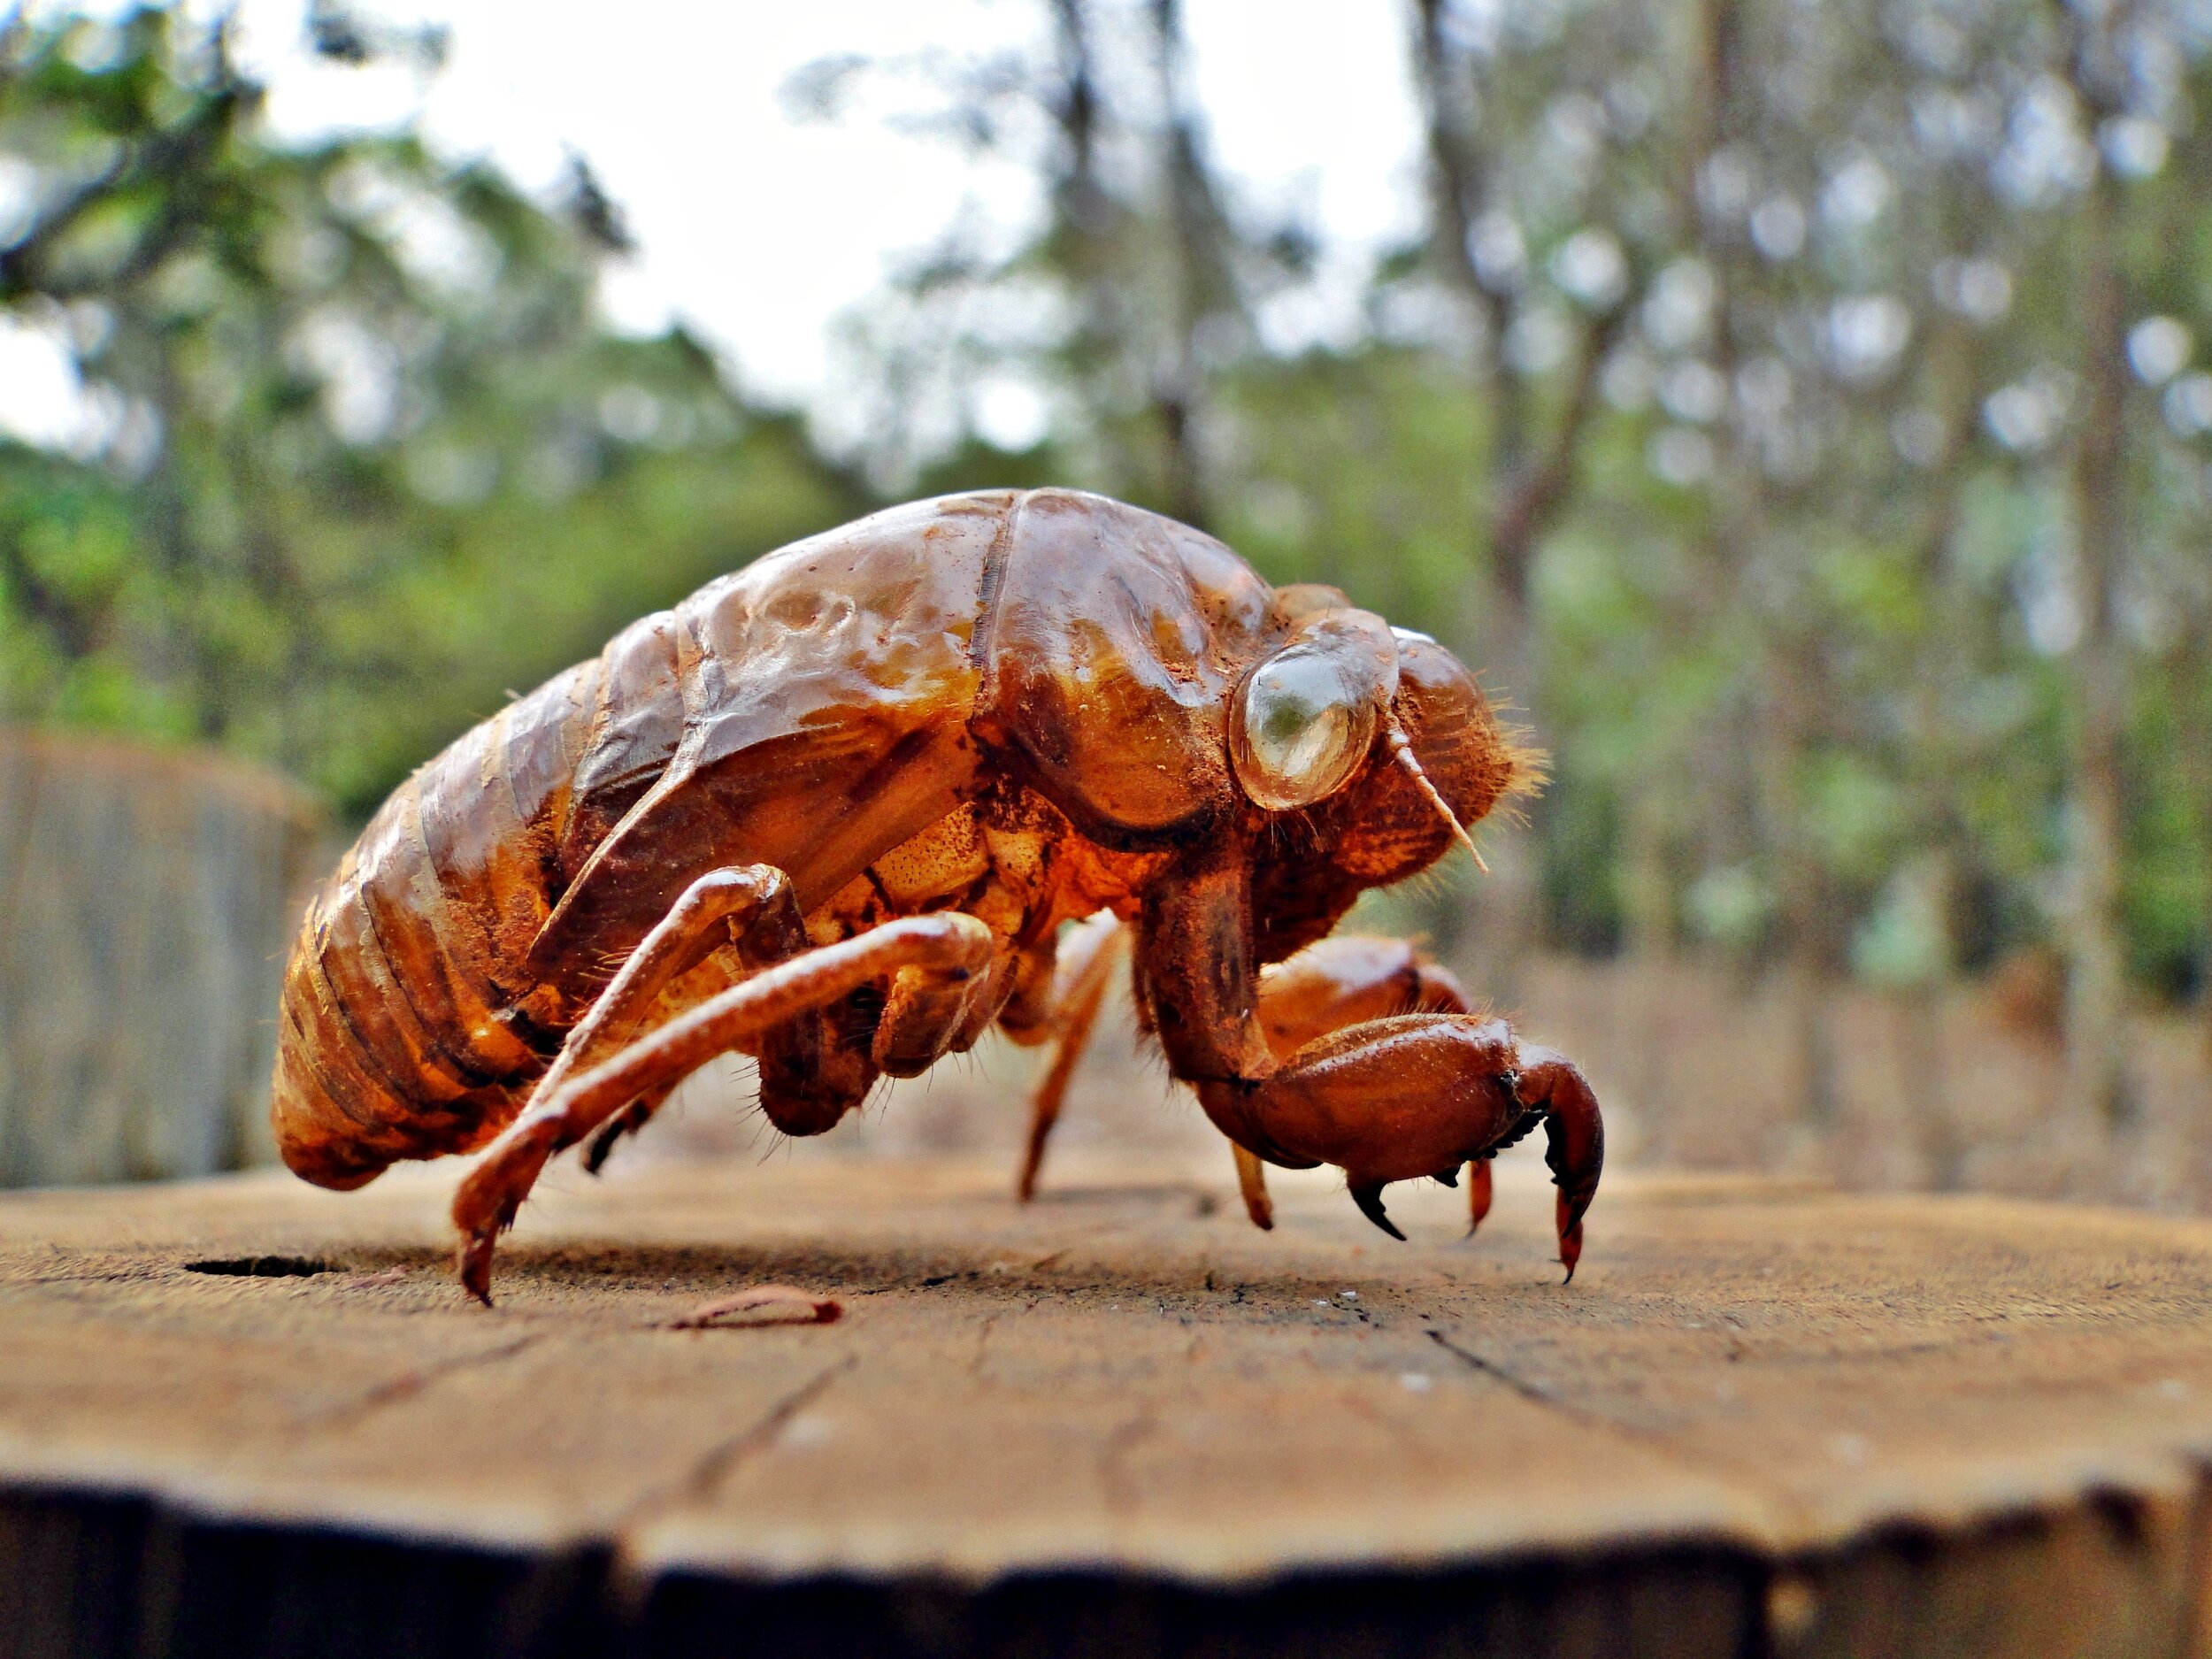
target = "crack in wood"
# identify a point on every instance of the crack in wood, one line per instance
(117, 1276)
(1773, 1515)
(982, 1345)
(1498, 1373)
(409, 1384)
(715, 1465)
(1124, 1437)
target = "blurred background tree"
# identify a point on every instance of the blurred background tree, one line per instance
(1799, 407)
(1800, 412)
(363, 458)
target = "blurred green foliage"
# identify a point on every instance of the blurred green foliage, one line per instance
(363, 462)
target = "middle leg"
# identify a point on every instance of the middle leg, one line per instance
(1082, 971)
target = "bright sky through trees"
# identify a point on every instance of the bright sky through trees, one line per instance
(758, 230)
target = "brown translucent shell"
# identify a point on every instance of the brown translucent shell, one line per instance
(1183, 744)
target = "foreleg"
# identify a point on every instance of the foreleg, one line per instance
(1392, 1100)
(1385, 1100)
(1336, 982)
(952, 946)
(1333, 983)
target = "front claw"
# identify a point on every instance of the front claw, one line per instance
(1574, 1136)
(1398, 1099)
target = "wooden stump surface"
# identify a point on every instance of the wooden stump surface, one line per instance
(1762, 1419)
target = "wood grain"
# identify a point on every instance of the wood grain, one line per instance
(1763, 1419)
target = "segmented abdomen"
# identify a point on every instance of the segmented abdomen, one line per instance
(821, 697)
(407, 1028)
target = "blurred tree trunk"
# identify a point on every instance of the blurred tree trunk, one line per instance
(1080, 238)
(1730, 781)
(1787, 691)
(1810, 941)
(2189, 690)
(1530, 476)
(1159, 300)
(2096, 988)
(1204, 286)
(1650, 900)
(1937, 758)
(1496, 620)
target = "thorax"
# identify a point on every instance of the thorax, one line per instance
(1010, 859)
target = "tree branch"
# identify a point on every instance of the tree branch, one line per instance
(170, 159)
(1535, 495)
(1458, 192)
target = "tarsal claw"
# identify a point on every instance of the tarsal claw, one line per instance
(1371, 1204)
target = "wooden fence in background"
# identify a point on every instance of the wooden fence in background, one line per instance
(147, 897)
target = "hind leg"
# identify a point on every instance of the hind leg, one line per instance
(628, 1121)
(950, 948)
(814, 1068)
(819, 1064)
(720, 907)
(749, 906)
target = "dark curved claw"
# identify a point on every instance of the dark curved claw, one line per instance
(602, 1142)
(1449, 1175)
(1369, 1202)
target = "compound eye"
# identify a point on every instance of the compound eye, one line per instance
(1301, 730)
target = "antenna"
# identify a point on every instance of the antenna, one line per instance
(1401, 748)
